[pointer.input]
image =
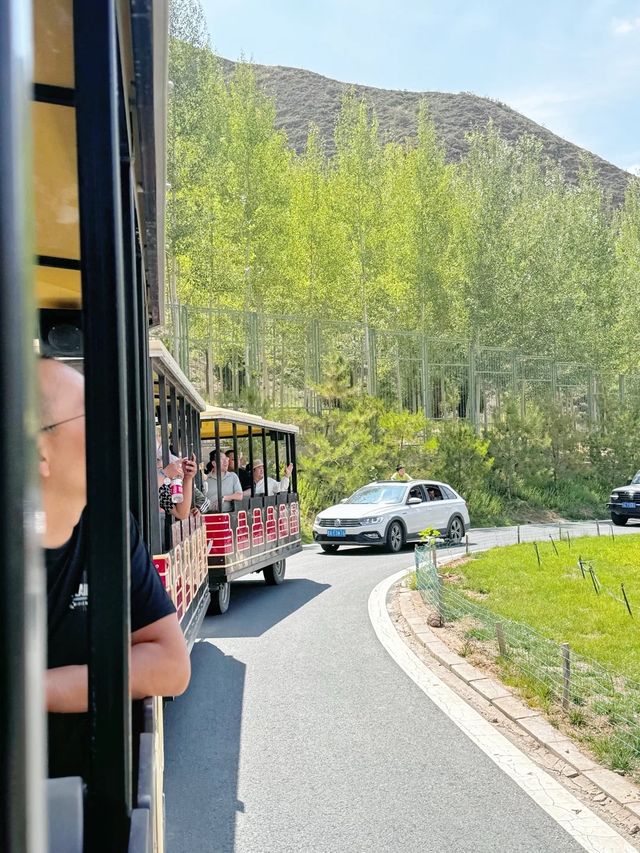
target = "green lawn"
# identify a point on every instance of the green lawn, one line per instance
(554, 599)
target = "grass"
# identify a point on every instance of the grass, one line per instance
(543, 605)
(555, 600)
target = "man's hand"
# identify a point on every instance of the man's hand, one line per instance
(173, 469)
(189, 467)
(288, 469)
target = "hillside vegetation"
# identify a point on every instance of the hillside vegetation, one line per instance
(304, 98)
(497, 247)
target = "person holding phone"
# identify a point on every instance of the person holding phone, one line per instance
(185, 469)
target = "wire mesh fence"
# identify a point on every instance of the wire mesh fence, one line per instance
(237, 356)
(597, 705)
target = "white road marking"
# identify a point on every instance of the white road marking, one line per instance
(589, 830)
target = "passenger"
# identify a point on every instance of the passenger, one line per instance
(401, 474)
(433, 495)
(244, 475)
(159, 661)
(273, 485)
(186, 470)
(230, 484)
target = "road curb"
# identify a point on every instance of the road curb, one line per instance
(528, 720)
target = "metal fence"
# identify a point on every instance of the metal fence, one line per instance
(600, 706)
(244, 358)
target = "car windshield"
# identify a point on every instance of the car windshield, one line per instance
(636, 480)
(378, 494)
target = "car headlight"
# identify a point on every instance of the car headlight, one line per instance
(613, 497)
(372, 519)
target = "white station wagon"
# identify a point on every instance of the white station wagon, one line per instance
(391, 513)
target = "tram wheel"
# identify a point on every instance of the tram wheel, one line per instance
(220, 599)
(274, 575)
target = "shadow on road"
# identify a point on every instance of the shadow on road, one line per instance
(202, 741)
(255, 607)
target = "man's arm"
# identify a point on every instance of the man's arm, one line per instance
(159, 666)
(237, 494)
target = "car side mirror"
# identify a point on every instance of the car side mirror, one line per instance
(629, 481)
(344, 500)
(414, 501)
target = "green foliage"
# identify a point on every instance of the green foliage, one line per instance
(429, 535)
(495, 248)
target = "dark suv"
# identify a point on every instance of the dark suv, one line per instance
(624, 502)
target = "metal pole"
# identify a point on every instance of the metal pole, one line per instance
(277, 454)
(173, 416)
(22, 636)
(234, 433)
(97, 79)
(137, 464)
(264, 461)
(164, 418)
(216, 427)
(294, 473)
(566, 676)
(250, 435)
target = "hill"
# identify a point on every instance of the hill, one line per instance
(303, 97)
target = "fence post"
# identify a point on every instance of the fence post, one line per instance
(427, 402)
(371, 361)
(502, 646)
(472, 402)
(440, 597)
(566, 676)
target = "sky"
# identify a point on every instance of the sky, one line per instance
(570, 65)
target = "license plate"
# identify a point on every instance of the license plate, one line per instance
(336, 531)
(628, 505)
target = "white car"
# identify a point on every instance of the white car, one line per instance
(391, 513)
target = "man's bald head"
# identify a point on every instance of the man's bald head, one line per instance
(61, 447)
(61, 391)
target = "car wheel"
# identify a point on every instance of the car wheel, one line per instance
(395, 537)
(619, 520)
(274, 575)
(220, 599)
(329, 549)
(455, 530)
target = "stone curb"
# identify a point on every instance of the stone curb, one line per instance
(530, 721)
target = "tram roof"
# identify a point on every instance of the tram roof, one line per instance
(243, 420)
(163, 362)
(143, 40)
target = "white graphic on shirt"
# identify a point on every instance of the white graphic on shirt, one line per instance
(80, 600)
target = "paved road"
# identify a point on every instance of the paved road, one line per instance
(299, 733)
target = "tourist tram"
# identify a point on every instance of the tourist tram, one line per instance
(262, 530)
(82, 183)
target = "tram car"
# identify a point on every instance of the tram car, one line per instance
(259, 532)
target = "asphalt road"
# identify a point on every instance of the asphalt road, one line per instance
(299, 732)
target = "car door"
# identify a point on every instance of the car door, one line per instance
(437, 509)
(416, 514)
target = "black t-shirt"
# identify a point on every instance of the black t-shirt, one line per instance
(246, 477)
(67, 629)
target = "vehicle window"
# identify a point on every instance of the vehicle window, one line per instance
(434, 493)
(416, 492)
(449, 494)
(387, 493)
(636, 480)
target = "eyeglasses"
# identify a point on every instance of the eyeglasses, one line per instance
(49, 427)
